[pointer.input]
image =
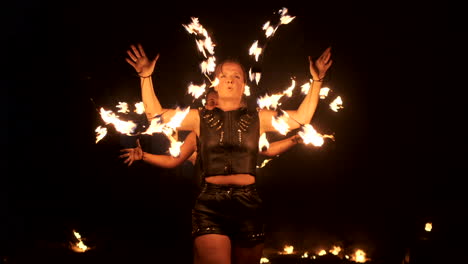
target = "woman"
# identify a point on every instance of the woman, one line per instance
(227, 218)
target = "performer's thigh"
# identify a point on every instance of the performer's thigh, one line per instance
(212, 248)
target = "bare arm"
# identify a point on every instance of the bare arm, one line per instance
(164, 161)
(280, 146)
(145, 68)
(306, 110)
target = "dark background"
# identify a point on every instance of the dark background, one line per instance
(394, 165)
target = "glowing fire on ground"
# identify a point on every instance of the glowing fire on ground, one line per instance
(78, 246)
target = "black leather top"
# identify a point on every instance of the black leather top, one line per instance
(228, 141)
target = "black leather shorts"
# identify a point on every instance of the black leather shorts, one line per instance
(232, 210)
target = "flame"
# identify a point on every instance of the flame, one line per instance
(359, 256)
(156, 126)
(269, 101)
(254, 76)
(101, 133)
(310, 136)
(140, 108)
(247, 90)
(322, 252)
(335, 250)
(264, 260)
(79, 246)
(208, 66)
(336, 104)
(123, 107)
(263, 163)
(204, 45)
(169, 128)
(305, 255)
(280, 123)
(255, 50)
(197, 29)
(177, 119)
(428, 227)
(215, 82)
(272, 101)
(263, 143)
(269, 30)
(306, 87)
(288, 91)
(285, 19)
(324, 92)
(288, 249)
(174, 149)
(124, 127)
(196, 90)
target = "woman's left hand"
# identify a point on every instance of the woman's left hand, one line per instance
(132, 154)
(318, 69)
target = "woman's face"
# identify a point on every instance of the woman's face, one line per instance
(231, 81)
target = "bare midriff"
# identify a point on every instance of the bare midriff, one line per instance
(237, 179)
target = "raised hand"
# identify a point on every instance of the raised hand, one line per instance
(132, 154)
(318, 68)
(140, 62)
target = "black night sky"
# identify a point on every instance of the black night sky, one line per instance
(391, 168)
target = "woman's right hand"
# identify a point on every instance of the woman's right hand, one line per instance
(140, 62)
(132, 154)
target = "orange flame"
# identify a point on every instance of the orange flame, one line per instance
(263, 163)
(101, 133)
(280, 123)
(310, 136)
(324, 92)
(428, 227)
(196, 90)
(288, 249)
(322, 252)
(78, 246)
(124, 127)
(336, 104)
(123, 107)
(359, 256)
(204, 45)
(255, 50)
(263, 143)
(140, 108)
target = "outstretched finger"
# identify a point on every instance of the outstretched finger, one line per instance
(326, 54)
(138, 143)
(135, 50)
(130, 62)
(134, 58)
(153, 62)
(142, 52)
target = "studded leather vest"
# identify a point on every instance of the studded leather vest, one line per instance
(228, 141)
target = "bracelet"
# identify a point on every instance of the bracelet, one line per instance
(319, 80)
(144, 77)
